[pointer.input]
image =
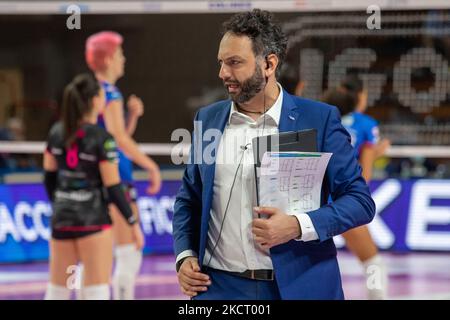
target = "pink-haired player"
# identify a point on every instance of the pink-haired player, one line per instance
(104, 56)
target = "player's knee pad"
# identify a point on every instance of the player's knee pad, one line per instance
(128, 263)
(96, 292)
(128, 260)
(79, 281)
(376, 278)
(56, 292)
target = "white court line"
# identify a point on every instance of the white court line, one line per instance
(39, 287)
(172, 297)
(166, 266)
(23, 288)
(434, 296)
(439, 296)
(34, 288)
(8, 277)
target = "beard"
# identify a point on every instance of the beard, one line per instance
(248, 88)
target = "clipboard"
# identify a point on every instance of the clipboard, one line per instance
(303, 141)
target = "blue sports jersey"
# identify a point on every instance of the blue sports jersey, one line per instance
(363, 130)
(112, 93)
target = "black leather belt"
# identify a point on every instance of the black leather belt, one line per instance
(255, 274)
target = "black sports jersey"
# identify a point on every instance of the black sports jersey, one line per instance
(80, 203)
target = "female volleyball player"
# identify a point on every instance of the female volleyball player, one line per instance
(351, 99)
(80, 164)
(104, 56)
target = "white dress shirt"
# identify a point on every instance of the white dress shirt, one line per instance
(236, 250)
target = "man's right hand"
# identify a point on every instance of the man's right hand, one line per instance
(191, 279)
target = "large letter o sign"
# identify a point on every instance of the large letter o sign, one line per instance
(421, 101)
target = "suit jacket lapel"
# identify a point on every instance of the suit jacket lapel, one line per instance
(218, 122)
(289, 114)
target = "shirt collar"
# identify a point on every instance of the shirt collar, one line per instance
(274, 112)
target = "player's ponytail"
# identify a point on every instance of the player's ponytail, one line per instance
(77, 102)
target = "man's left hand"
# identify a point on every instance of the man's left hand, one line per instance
(277, 229)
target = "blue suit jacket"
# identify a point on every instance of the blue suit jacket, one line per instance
(303, 270)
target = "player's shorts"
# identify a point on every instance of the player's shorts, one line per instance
(79, 213)
(76, 234)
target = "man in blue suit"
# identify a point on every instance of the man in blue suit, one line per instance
(224, 248)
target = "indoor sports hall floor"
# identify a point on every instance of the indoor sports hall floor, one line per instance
(412, 276)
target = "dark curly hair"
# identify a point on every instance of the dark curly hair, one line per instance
(266, 35)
